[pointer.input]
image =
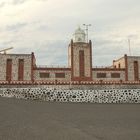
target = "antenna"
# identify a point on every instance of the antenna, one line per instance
(5, 50)
(87, 25)
(129, 44)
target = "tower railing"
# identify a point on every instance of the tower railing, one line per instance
(102, 67)
(52, 66)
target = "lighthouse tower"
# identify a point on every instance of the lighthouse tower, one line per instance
(80, 57)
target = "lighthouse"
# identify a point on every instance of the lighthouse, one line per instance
(80, 57)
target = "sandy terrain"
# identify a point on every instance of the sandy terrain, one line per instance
(36, 120)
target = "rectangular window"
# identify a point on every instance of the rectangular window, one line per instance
(44, 75)
(115, 75)
(101, 75)
(136, 71)
(81, 63)
(20, 69)
(119, 65)
(60, 75)
(9, 70)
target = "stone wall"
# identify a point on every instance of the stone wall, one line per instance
(52, 75)
(87, 65)
(130, 61)
(120, 62)
(28, 74)
(63, 95)
(108, 75)
(78, 86)
(15, 58)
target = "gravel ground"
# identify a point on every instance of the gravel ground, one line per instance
(36, 120)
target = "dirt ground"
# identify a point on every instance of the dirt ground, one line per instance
(36, 120)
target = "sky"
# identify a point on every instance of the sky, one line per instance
(46, 27)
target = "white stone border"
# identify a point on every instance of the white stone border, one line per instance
(65, 95)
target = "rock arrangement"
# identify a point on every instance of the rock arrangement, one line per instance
(74, 95)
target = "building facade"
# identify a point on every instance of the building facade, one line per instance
(22, 68)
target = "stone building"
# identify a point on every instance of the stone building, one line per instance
(22, 68)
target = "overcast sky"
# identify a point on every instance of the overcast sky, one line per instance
(46, 27)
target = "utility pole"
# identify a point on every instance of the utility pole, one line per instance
(87, 26)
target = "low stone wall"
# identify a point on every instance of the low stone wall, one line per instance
(65, 95)
(77, 87)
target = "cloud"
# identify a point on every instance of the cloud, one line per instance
(16, 27)
(47, 26)
(2, 4)
(14, 2)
